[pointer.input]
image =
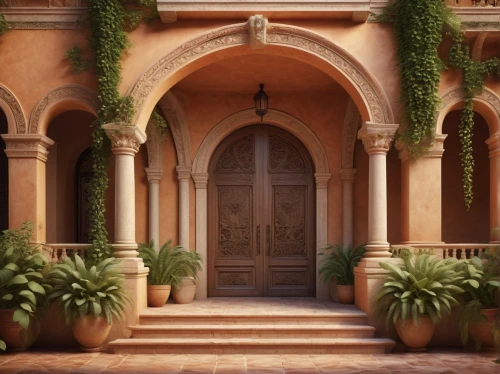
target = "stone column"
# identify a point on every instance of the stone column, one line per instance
(377, 139)
(421, 194)
(125, 142)
(347, 177)
(322, 179)
(27, 181)
(184, 173)
(494, 147)
(200, 182)
(154, 176)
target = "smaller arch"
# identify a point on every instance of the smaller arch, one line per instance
(352, 122)
(16, 120)
(487, 103)
(173, 112)
(273, 117)
(59, 100)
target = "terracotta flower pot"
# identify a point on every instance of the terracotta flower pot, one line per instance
(91, 332)
(415, 337)
(345, 294)
(158, 295)
(14, 335)
(484, 331)
(186, 291)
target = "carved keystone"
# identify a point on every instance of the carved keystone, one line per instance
(257, 31)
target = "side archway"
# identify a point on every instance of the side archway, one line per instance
(200, 176)
(59, 100)
(229, 41)
(11, 106)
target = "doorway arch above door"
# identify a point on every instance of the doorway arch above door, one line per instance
(200, 176)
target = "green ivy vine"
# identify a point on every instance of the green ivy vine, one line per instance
(419, 27)
(4, 26)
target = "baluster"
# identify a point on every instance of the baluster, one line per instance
(64, 255)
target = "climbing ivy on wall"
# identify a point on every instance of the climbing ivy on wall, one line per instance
(419, 28)
(4, 26)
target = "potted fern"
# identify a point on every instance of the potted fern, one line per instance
(89, 297)
(339, 265)
(416, 293)
(22, 288)
(170, 267)
(480, 310)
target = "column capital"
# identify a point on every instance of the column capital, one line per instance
(347, 174)
(27, 146)
(200, 180)
(322, 179)
(125, 138)
(183, 172)
(434, 150)
(377, 138)
(154, 175)
(494, 144)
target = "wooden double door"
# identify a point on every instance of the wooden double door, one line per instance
(261, 226)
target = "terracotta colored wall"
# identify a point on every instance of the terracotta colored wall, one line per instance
(4, 175)
(458, 225)
(72, 133)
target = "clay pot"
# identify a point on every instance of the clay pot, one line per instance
(415, 337)
(186, 291)
(91, 332)
(345, 294)
(158, 295)
(484, 331)
(14, 335)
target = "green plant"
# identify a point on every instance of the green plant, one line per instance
(4, 26)
(22, 274)
(160, 122)
(77, 60)
(481, 287)
(421, 285)
(170, 265)
(82, 291)
(340, 263)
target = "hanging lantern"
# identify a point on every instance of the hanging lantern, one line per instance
(261, 103)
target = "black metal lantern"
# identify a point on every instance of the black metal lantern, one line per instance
(261, 103)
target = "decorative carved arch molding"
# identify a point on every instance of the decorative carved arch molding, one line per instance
(356, 79)
(487, 103)
(200, 176)
(59, 100)
(16, 121)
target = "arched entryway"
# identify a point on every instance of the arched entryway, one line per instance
(261, 215)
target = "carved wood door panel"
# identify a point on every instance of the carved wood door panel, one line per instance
(261, 201)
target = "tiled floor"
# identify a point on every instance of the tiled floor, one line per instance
(73, 362)
(255, 306)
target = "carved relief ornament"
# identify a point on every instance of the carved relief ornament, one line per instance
(124, 136)
(17, 111)
(377, 138)
(257, 31)
(363, 81)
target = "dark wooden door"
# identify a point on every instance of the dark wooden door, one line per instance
(261, 216)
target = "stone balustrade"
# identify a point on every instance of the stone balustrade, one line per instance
(59, 252)
(450, 250)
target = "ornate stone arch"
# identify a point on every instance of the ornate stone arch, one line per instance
(352, 122)
(11, 106)
(487, 103)
(368, 94)
(273, 117)
(200, 176)
(172, 110)
(61, 99)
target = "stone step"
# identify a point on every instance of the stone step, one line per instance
(251, 331)
(253, 346)
(341, 318)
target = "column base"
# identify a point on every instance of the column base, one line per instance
(125, 250)
(378, 250)
(136, 285)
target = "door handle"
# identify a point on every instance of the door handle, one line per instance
(258, 240)
(268, 239)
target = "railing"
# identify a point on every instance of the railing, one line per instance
(60, 252)
(451, 250)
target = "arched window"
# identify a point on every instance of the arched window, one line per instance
(84, 176)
